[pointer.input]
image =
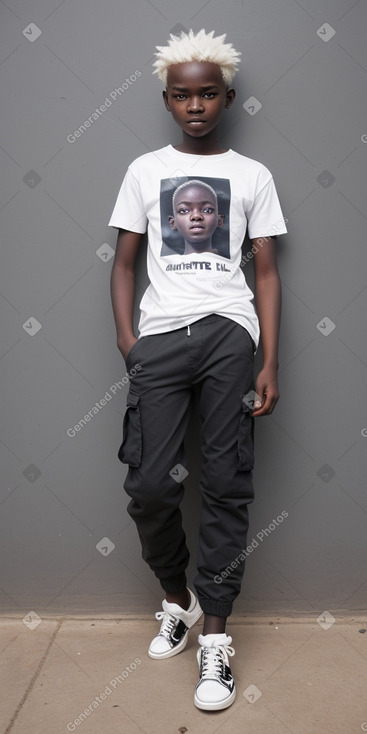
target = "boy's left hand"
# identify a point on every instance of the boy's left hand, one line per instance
(267, 389)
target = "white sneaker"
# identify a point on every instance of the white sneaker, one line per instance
(215, 689)
(173, 634)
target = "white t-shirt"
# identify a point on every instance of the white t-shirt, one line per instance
(194, 242)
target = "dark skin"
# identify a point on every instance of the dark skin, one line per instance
(197, 97)
(196, 218)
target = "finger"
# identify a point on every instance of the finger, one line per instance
(270, 404)
(258, 404)
(267, 406)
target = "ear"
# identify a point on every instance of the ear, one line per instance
(220, 220)
(230, 95)
(165, 98)
(172, 223)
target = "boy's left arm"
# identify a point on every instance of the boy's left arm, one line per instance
(268, 306)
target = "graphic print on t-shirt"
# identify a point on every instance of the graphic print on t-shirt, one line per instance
(195, 215)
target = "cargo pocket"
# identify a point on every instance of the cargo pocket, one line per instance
(131, 447)
(246, 455)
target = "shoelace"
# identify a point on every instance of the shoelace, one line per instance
(169, 622)
(213, 660)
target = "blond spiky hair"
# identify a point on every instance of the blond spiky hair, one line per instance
(200, 47)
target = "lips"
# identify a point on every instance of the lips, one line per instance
(197, 226)
(190, 122)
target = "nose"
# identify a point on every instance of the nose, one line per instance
(195, 104)
(196, 214)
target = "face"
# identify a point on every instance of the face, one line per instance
(196, 96)
(196, 214)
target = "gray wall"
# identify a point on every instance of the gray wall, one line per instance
(62, 494)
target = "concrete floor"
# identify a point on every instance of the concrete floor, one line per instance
(293, 676)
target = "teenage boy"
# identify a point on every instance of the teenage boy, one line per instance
(196, 336)
(195, 207)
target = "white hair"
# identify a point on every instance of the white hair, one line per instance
(193, 182)
(200, 47)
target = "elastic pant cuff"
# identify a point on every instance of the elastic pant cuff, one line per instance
(220, 608)
(174, 583)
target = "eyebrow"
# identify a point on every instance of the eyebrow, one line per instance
(205, 88)
(188, 203)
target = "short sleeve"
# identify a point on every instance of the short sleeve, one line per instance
(129, 211)
(265, 218)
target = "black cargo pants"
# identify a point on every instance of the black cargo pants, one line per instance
(216, 355)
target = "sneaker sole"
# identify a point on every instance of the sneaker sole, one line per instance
(215, 706)
(172, 651)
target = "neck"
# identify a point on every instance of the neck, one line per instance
(198, 249)
(207, 145)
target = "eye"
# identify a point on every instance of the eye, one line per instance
(210, 95)
(208, 210)
(182, 210)
(179, 96)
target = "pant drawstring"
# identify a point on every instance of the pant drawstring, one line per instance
(188, 331)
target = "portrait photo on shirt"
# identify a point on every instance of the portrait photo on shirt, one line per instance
(195, 215)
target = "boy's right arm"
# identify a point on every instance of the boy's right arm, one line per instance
(122, 288)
